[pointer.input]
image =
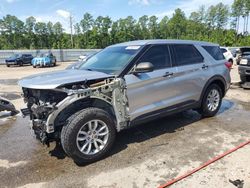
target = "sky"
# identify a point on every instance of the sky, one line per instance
(60, 10)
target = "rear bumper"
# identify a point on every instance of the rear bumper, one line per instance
(244, 70)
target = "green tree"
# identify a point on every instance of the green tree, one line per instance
(30, 23)
(177, 24)
(59, 36)
(12, 30)
(153, 27)
(163, 28)
(237, 9)
(42, 35)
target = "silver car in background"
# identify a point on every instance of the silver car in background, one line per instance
(121, 86)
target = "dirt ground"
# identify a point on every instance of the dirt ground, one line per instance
(144, 156)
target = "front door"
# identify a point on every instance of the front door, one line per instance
(152, 91)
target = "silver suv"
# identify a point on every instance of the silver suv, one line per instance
(123, 85)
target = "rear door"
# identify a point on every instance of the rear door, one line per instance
(193, 71)
(149, 92)
(24, 59)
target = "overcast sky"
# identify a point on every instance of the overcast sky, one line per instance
(59, 10)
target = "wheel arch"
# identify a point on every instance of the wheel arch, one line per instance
(230, 60)
(217, 79)
(81, 104)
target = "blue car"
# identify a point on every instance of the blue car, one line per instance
(19, 59)
(44, 60)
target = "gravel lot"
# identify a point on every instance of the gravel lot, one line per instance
(144, 156)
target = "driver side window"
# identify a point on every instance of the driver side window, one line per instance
(158, 55)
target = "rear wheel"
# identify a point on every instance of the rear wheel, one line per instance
(20, 63)
(88, 135)
(7, 65)
(211, 101)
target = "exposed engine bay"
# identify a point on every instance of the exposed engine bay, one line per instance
(50, 109)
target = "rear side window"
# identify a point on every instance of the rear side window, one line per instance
(215, 52)
(223, 50)
(158, 55)
(186, 54)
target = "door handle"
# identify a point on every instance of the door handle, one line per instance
(168, 74)
(204, 67)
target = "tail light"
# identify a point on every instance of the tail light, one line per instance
(228, 65)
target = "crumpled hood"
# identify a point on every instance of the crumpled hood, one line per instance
(55, 79)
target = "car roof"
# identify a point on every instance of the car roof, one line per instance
(164, 41)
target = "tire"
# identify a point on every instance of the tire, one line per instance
(78, 125)
(20, 63)
(243, 78)
(210, 111)
(34, 66)
(7, 65)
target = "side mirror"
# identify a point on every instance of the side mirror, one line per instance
(144, 67)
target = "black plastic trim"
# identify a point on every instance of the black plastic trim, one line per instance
(165, 112)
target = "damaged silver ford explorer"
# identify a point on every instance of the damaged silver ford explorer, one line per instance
(123, 85)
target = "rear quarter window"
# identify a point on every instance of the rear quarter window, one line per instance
(215, 52)
(187, 54)
(223, 50)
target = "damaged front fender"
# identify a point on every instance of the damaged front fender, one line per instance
(112, 91)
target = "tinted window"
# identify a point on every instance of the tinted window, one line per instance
(223, 50)
(157, 55)
(187, 54)
(215, 52)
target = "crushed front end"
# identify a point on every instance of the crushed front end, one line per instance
(40, 104)
(49, 109)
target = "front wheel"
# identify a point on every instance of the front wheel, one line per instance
(211, 101)
(88, 135)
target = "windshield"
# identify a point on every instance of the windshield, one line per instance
(111, 60)
(15, 56)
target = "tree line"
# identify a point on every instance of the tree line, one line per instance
(218, 23)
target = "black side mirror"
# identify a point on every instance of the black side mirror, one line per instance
(143, 67)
